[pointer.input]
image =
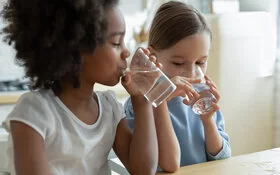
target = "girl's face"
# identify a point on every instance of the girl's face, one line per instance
(106, 64)
(183, 58)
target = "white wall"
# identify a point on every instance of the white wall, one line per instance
(241, 44)
(259, 5)
(8, 69)
(131, 6)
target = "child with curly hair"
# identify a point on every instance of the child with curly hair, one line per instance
(62, 126)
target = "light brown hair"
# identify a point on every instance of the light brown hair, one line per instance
(174, 21)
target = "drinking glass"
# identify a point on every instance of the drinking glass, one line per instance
(202, 105)
(150, 80)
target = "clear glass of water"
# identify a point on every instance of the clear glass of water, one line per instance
(151, 81)
(202, 105)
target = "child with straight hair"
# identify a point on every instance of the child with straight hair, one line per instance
(180, 39)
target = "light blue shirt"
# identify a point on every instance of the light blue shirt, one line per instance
(190, 133)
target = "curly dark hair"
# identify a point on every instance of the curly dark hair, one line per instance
(50, 35)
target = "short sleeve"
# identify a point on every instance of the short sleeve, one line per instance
(117, 107)
(30, 110)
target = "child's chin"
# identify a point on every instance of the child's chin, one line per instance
(113, 83)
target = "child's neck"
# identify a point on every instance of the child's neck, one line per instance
(81, 95)
(80, 101)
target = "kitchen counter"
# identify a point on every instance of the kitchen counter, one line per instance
(12, 97)
(8, 99)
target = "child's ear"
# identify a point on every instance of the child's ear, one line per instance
(152, 50)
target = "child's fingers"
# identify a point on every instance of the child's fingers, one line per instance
(153, 58)
(146, 51)
(176, 93)
(215, 108)
(192, 80)
(186, 80)
(169, 98)
(207, 78)
(188, 89)
(210, 82)
(213, 88)
(125, 79)
(159, 65)
(180, 93)
(184, 87)
(187, 102)
(190, 96)
(188, 99)
(215, 92)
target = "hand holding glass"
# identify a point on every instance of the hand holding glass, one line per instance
(202, 105)
(151, 81)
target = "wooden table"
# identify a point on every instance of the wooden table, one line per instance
(12, 97)
(9, 99)
(259, 163)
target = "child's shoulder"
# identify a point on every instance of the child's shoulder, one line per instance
(34, 97)
(107, 96)
(109, 102)
(32, 109)
(32, 102)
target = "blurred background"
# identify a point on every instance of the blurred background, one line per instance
(244, 63)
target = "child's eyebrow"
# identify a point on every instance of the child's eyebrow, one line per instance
(177, 56)
(204, 57)
(116, 33)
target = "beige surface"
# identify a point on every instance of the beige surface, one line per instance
(260, 163)
(12, 97)
(9, 99)
(242, 45)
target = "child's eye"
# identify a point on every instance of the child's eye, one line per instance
(178, 64)
(116, 45)
(200, 63)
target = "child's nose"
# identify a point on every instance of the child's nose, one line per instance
(192, 72)
(125, 54)
(188, 73)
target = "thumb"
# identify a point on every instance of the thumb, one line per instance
(187, 102)
(215, 108)
(125, 80)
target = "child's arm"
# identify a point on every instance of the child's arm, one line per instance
(214, 140)
(29, 150)
(138, 151)
(217, 140)
(169, 149)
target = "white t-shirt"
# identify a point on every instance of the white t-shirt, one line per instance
(72, 147)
